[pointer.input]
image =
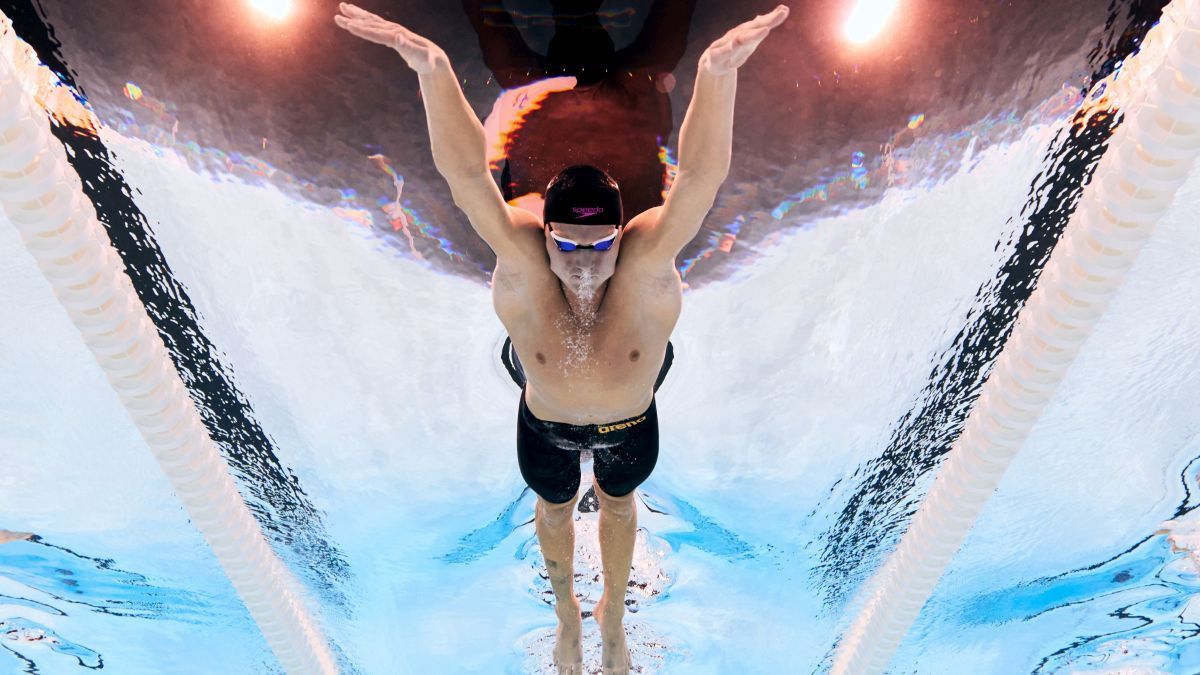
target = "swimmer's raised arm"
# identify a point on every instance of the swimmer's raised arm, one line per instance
(706, 137)
(455, 133)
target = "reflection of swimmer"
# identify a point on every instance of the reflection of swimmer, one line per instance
(592, 337)
(7, 535)
(395, 209)
(21, 634)
(587, 94)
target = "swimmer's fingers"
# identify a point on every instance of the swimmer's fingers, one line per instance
(373, 28)
(355, 12)
(550, 85)
(756, 29)
(732, 50)
(361, 17)
(771, 19)
(366, 30)
(419, 53)
(766, 21)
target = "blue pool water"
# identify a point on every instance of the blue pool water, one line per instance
(821, 366)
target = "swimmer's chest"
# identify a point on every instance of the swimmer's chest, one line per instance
(626, 338)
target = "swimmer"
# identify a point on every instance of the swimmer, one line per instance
(589, 299)
(7, 536)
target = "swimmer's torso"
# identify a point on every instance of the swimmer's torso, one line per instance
(593, 370)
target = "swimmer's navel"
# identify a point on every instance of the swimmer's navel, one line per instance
(540, 358)
(635, 355)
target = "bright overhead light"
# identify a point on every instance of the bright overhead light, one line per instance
(868, 18)
(276, 9)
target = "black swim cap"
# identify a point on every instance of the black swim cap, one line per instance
(583, 195)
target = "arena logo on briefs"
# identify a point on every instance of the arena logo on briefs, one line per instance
(605, 428)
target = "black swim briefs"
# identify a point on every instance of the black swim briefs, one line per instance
(624, 451)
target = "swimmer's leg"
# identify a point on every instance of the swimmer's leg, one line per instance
(616, 473)
(618, 531)
(553, 474)
(556, 533)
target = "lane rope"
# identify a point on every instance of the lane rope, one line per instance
(43, 197)
(1149, 157)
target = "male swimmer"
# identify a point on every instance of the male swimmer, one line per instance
(591, 337)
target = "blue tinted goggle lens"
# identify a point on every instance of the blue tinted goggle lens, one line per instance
(568, 245)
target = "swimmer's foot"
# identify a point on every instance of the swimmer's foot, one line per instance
(614, 653)
(568, 643)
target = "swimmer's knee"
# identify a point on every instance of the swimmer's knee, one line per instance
(556, 510)
(622, 503)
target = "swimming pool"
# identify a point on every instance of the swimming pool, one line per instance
(826, 356)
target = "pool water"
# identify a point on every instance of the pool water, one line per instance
(821, 371)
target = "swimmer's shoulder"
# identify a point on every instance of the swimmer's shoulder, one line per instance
(529, 253)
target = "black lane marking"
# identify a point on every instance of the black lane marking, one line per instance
(271, 490)
(883, 498)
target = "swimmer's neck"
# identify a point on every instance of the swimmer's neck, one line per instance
(579, 307)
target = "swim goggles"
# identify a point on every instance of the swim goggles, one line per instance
(565, 244)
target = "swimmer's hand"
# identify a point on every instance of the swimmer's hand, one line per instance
(732, 49)
(419, 53)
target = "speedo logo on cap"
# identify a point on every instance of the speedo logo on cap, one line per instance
(585, 211)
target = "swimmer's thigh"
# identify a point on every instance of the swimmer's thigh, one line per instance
(549, 471)
(621, 469)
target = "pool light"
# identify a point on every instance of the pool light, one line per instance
(868, 18)
(275, 9)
